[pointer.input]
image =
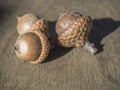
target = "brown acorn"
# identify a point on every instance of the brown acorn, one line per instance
(73, 30)
(32, 44)
(25, 22)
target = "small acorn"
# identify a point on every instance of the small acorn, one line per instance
(73, 30)
(25, 22)
(32, 44)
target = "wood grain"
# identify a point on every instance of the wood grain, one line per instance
(64, 69)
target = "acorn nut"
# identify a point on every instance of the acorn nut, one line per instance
(25, 22)
(73, 30)
(32, 44)
(28, 46)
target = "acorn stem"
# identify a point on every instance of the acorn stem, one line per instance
(90, 47)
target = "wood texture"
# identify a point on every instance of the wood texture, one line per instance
(64, 69)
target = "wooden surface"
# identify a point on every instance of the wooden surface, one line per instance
(64, 69)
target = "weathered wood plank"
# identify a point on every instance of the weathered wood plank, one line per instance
(64, 69)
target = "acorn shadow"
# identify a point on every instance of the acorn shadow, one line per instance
(102, 28)
(57, 51)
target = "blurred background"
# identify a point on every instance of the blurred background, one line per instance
(64, 69)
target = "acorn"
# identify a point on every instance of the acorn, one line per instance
(32, 44)
(25, 22)
(73, 29)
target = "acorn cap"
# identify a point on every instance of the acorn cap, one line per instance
(45, 47)
(41, 25)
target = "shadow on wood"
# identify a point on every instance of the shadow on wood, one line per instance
(5, 11)
(102, 28)
(58, 51)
